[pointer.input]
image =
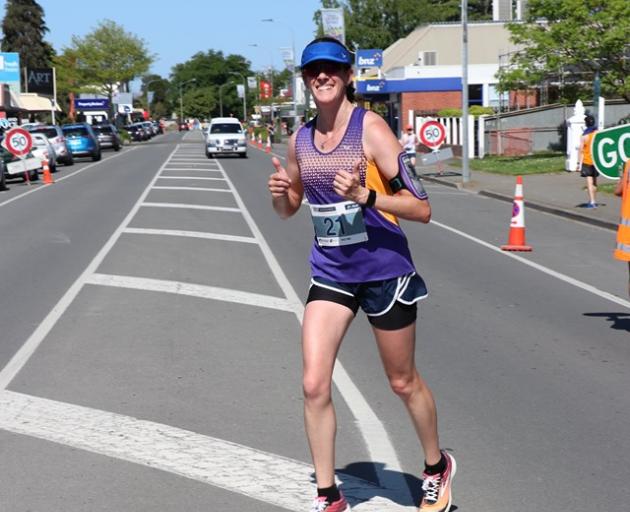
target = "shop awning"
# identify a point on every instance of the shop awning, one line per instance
(31, 102)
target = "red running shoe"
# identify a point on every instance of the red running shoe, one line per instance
(437, 494)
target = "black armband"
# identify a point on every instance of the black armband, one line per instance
(371, 199)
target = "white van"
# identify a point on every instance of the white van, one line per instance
(225, 136)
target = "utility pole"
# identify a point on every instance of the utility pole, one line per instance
(465, 141)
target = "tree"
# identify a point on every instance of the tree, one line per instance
(23, 30)
(109, 57)
(160, 106)
(380, 23)
(210, 70)
(566, 42)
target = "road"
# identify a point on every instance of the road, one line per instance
(150, 311)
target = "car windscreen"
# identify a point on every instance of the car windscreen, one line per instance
(102, 129)
(225, 128)
(78, 131)
(51, 133)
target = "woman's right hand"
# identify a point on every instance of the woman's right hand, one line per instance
(279, 182)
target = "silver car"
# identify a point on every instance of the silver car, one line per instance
(44, 150)
(56, 137)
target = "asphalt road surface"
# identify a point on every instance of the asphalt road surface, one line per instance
(150, 310)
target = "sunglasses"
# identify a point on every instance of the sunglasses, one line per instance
(325, 66)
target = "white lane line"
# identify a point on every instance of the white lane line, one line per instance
(191, 290)
(376, 438)
(189, 178)
(194, 188)
(541, 268)
(190, 207)
(196, 169)
(20, 358)
(191, 234)
(263, 476)
(59, 180)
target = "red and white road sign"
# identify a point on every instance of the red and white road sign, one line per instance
(18, 141)
(432, 134)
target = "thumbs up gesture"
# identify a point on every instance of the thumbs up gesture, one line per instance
(279, 182)
(348, 184)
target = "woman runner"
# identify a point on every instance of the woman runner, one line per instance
(357, 182)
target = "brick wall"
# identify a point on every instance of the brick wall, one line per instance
(428, 102)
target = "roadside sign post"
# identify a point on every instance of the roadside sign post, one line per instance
(610, 149)
(19, 143)
(432, 135)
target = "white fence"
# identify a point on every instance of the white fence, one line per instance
(454, 128)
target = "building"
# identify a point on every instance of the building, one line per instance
(422, 73)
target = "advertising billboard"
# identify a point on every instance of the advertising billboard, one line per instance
(41, 81)
(10, 70)
(333, 24)
(369, 58)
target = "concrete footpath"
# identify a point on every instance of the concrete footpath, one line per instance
(559, 194)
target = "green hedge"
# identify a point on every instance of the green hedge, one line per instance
(475, 110)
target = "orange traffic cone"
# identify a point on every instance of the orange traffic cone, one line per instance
(268, 147)
(259, 141)
(516, 239)
(253, 139)
(48, 179)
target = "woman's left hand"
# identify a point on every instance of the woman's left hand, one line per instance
(348, 185)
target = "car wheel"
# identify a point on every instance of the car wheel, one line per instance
(209, 155)
(3, 179)
(69, 161)
(116, 147)
(243, 155)
(34, 175)
(53, 168)
(96, 156)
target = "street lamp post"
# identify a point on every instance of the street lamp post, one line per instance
(221, 96)
(244, 93)
(256, 45)
(293, 66)
(147, 86)
(181, 98)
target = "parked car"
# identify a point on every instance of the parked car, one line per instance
(225, 136)
(136, 132)
(108, 136)
(82, 140)
(44, 150)
(54, 133)
(182, 126)
(157, 126)
(147, 131)
(150, 127)
(13, 167)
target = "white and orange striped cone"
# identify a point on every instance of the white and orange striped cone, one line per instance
(259, 141)
(516, 238)
(253, 139)
(48, 179)
(268, 147)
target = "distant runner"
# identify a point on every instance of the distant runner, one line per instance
(357, 182)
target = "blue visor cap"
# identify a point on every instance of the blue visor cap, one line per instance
(325, 50)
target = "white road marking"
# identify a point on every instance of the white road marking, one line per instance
(191, 290)
(193, 188)
(20, 358)
(190, 169)
(191, 207)
(541, 268)
(376, 438)
(189, 178)
(59, 180)
(262, 476)
(191, 234)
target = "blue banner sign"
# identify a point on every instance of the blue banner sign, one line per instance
(91, 104)
(409, 85)
(10, 70)
(369, 58)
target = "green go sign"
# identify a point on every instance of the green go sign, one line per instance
(610, 149)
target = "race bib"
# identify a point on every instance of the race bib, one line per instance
(338, 224)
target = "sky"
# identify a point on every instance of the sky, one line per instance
(176, 33)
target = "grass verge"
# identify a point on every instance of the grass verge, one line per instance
(540, 163)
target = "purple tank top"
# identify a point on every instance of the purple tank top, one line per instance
(385, 253)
